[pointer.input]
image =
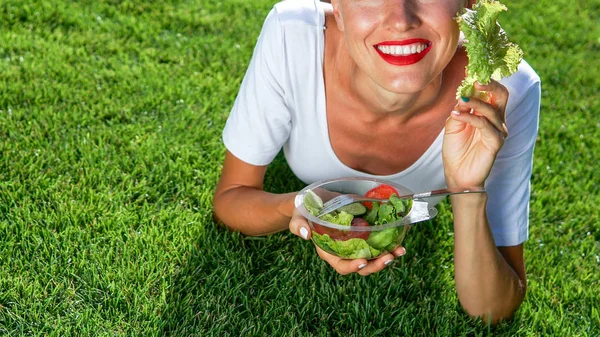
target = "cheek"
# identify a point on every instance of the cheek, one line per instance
(361, 23)
(447, 8)
(445, 24)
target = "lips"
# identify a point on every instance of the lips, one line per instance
(403, 53)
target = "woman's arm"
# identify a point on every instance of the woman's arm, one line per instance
(490, 280)
(241, 203)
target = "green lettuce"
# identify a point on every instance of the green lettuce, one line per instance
(396, 209)
(382, 239)
(355, 248)
(491, 54)
(402, 206)
(312, 202)
(338, 218)
(371, 216)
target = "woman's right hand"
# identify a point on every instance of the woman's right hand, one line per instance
(300, 227)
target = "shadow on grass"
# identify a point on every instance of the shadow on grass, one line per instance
(231, 285)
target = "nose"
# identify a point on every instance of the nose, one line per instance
(401, 15)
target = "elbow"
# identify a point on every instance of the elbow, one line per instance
(233, 227)
(491, 317)
(223, 216)
(503, 311)
(220, 214)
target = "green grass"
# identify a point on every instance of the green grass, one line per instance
(110, 121)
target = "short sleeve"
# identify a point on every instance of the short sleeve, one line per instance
(509, 185)
(259, 123)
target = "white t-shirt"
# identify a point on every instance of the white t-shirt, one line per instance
(281, 104)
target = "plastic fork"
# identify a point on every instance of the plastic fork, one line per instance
(346, 199)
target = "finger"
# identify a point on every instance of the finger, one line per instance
(498, 94)
(342, 266)
(455, 125)
(483, 109)
(463, 108)
(400, 251)
(377, 265)
(299, 226)
(488, 131)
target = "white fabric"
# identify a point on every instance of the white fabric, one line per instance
(281, 104)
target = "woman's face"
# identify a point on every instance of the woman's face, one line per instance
(403, 45)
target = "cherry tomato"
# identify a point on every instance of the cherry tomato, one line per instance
(342, 235)
(381, 192)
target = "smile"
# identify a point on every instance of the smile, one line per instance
(401, 53)
(403, 50)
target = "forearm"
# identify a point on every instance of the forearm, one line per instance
(252, 211)
(486, 284)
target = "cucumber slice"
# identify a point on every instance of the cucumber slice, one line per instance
(355, 209)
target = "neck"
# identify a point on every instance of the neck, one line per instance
(360, 89)
(386, 103)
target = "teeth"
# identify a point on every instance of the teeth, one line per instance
(403, 50)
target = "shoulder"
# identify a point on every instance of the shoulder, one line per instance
(299, 12)
(289, 27)
(291, 24)
(524, 94)
(522, 83)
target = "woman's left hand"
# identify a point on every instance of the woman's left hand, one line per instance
(472, 140)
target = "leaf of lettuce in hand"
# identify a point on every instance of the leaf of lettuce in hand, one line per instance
(491, 54)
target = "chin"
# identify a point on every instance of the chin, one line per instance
(406, 86)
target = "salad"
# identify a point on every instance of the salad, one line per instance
(491, 54)
(351, 244)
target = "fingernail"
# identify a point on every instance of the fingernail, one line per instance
(465, 99)
(304, 233)
(402, 251)
(388, 262)
(362, 266)
(455, 112)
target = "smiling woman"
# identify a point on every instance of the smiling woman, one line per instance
(367, 88)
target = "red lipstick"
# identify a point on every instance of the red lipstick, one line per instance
(403, 60)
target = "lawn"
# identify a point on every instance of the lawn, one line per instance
(110, 121)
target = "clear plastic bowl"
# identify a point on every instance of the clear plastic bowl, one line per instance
(352, 242)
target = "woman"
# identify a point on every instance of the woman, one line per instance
(367, 88)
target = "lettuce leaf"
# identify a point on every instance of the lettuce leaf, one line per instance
(380, 240)
(381, 214)
(371, 216)
(339, 218)
(312, 202)
(402, 206)
(491, 54)
(387, 214)
(355, 248)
